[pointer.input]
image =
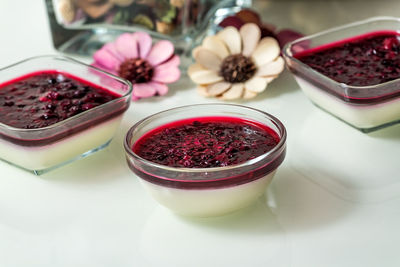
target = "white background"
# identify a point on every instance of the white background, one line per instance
(334, 201)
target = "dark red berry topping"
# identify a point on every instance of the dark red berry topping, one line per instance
(41, 99)
(361, 61)
(206, 142)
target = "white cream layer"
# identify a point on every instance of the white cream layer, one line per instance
(43, 157)
(360, 116)
(208, 202)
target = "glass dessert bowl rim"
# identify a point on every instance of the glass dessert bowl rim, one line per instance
(278, 149)
(77, 116)
(286, 51)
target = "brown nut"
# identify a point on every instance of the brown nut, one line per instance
(163, 27)
(122, 2)
(177, 3)
(94, 9)
(67, 10)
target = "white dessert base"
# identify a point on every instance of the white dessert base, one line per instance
(39, 158)
(363, 117)
(208, 202)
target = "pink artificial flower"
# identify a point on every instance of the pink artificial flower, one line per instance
(149, 68)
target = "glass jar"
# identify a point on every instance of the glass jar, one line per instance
(83, 26)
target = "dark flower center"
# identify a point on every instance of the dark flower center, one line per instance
(237, 68)
(136, 70)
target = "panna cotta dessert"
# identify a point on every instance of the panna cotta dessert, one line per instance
(352, 71)
(55, 109)
(206, 165)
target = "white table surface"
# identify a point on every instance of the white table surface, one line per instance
(333, 202)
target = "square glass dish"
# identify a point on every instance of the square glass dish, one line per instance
(54, 110)
(352, 71)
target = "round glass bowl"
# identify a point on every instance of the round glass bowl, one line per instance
(206, 191)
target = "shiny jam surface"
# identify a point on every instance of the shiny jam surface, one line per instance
(44, 98)
(364, 60)
(206, 142)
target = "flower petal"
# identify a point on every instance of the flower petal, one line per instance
(161, 88)
(196, 50)
(105, 59)
(126, 46)
(166, 75)
(160, 52)
(214, 44)
(257, 84)
(110, 47)
(235, 92)
(171, 63)
(231, 21)
(218, 88)
(271, 69)
(249, 16)
(202, 90)
(194, 68)
(99, 66)
(204, 76)
(267, 40)
(134, 98)
(249, 94)
(250, 34)
(143, 90)
(286, 35)
(266, 51)
(208, 59)
(144, 42)
(231, 37)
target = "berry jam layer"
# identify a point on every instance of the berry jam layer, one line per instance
(206, 142)
(365, 60)
(42, 99)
